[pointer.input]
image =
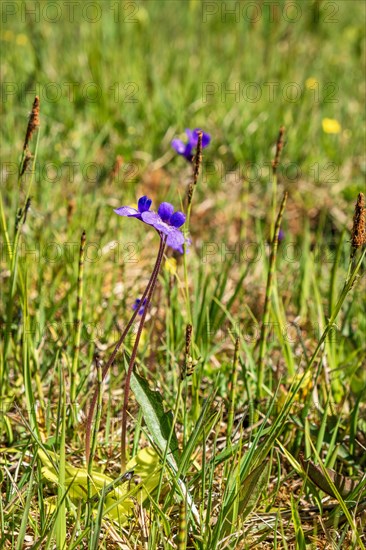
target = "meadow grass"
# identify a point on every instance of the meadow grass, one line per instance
(246, 423)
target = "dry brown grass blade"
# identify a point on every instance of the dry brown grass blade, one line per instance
(343, 484)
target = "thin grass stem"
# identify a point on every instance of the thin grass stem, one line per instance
(269, 287)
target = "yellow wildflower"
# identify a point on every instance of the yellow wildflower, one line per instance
(331, 126)
(311, 83)
(171, 266)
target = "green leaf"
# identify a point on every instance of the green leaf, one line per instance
(118, 495)
(300, 537)
(25, 518)
(248, 494)
(252, 488)
(158, 421)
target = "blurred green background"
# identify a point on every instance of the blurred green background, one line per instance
(122, 78)
(125, 77)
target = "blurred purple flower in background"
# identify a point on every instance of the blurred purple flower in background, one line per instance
(186, 149)
(139, 306)
(165, 221)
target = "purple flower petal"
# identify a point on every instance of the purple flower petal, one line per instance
(179, 146)
(177, 219)
(144, 204)
(188, 152)
(206, 138)
(127, 211)
(140, 306)
(192, 137)
(152, 218)
(158, 223)
(165, 211)
(175, 239)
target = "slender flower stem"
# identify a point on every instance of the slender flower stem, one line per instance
(111, 360)
(269, 286)
(186, 285)
(16, 275)
(274, 206)
(197, 161)
(79, 311)
(234, 380)
(275, 164)
(134, 353)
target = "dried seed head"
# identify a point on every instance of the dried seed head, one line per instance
(359, 225)
(197, 161)
(279, 147)
(26, 161)
(198, 158)
(188, 365)
(33, 122)
(188, 338)
(26, 209)
(18, 217)
(190, 193)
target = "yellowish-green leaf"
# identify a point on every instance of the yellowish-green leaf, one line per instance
(120, 494)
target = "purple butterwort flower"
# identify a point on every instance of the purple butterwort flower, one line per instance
(166, 221)
(140, 306)
(281, 235)
(186, 149)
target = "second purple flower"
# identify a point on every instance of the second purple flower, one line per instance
(186, 149)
